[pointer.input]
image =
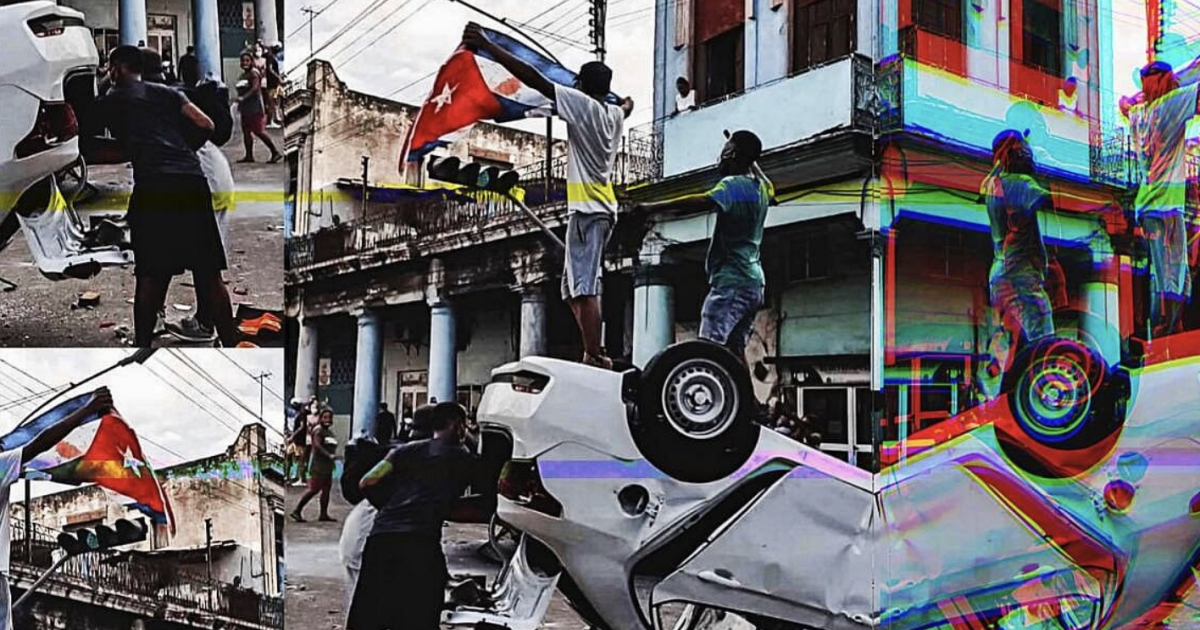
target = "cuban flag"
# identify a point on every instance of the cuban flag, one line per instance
(103, 450)
(471, 87)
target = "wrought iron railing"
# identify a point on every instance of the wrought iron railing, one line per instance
(152, 584)
(409, 221)
(1113, 159)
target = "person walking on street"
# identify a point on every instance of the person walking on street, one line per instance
(593, 136)
(322, 460)
(170, 215)
(428, 477)
(385, 425)
(735, 275)
(274, 87)
(252, 110)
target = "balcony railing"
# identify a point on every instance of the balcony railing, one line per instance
(151, 584)
(409, 221)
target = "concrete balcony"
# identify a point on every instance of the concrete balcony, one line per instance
(821, 100)
(136, 587)
(920, 100)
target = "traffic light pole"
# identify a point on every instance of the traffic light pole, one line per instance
(541, 224)
(45, 576)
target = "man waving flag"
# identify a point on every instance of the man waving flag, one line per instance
(472, 86)
(99, 449)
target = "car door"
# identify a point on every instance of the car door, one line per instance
(801, 553)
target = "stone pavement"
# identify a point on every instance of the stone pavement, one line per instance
(39, 312)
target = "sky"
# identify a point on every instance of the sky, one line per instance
(395, 50)
(173, 426)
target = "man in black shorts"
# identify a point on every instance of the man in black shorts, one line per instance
(170, 211)
(403, 577)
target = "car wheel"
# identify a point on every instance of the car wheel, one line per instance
(695, 412)
(1063, 400)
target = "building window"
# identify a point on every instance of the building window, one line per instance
(808, 259)
(720, 63)
(106, 40)
(1041, 36)
(941, 17)
(822, 30)
(950, 255)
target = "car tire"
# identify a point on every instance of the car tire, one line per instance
(695, 412)
(1063, 398)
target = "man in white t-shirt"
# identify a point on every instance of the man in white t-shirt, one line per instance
(11, 461)
(685, 98)
(1159, 128)
(593, 135)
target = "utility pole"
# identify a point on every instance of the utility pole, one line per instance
(28, 521)
(312, 13)
(208, 556)
(366, 162)
(261, 378)
(598, 13)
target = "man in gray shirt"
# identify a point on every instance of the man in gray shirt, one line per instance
(593, 136)
(170, 211)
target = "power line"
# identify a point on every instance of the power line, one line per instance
(251, 375)
(178, 354)
(314, 14)
(375, 25)
(192, 400)
(184, 359)
(355, 21)
(387, 32)
(27, 374)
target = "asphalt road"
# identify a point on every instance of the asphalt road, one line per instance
(315, 584)
(39, 313)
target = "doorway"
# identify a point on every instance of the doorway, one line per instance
(843, 416)
(160, 36)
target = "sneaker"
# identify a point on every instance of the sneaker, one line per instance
(191, 330)
(274, 125)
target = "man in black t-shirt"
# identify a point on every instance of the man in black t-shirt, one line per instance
(385, 425)
(170, 211)
(403, 577)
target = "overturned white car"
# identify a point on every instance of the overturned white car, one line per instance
(653, 500)
(47, 87)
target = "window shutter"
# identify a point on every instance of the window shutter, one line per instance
(714, 17)
(683, 23)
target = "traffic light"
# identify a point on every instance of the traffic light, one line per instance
(473, 175)
(123, 532)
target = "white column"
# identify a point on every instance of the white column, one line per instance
(307, 359)
(443, 352)
(653, 313)
(533, 322)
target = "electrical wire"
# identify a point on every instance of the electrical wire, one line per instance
(387, 32)
(251, 375)
(355, 21)
(377, 23)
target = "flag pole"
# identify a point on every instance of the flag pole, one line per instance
(541, 224)
(516, 30)
(140, 356)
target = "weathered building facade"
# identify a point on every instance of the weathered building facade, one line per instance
(877, 318)
(166, 579)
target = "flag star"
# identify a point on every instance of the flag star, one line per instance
(132, 462)
(444, 98)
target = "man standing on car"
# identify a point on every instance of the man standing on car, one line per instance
(170, 211)
(1017, 281)
(11, 462)
(403, 577)
(1159, 128)
(593, 136)
(735, 274)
